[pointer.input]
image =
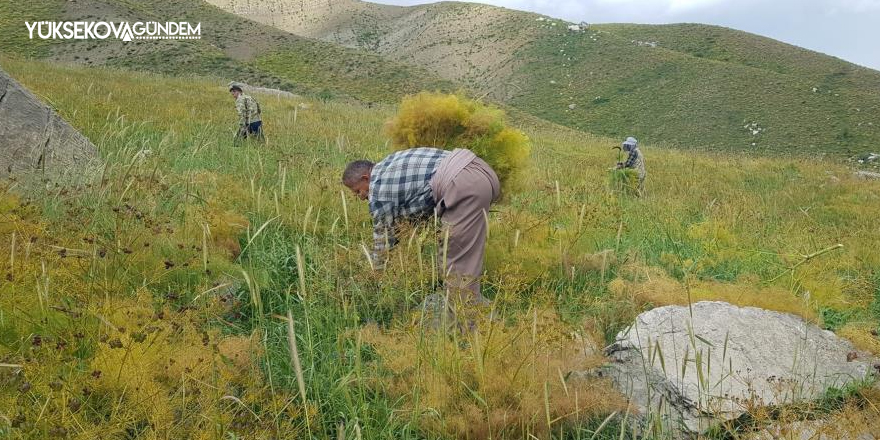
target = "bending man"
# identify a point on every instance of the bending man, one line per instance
(419, 182)
(635, 160)
(250, 121)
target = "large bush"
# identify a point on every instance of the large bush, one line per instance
(454, 121)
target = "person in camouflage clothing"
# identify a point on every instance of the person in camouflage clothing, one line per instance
(250, 123)
(635, 161)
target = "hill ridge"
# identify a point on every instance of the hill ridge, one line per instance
(830, 60)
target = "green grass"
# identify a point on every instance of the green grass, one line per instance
(200, 247)
(329, 67)
(15, 34)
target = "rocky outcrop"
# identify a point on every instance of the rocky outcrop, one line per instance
(712, 362)
(265, 90)
(36, 142)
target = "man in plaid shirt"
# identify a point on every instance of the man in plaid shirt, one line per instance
(635, 160)
(420, 182)
(398, 187)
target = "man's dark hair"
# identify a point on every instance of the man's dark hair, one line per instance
(235, 88)
(355, 170)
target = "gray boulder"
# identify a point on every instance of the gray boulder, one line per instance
(36, 142)
(265, 90)
(694, 368)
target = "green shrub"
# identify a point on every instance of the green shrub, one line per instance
(325, 95)
(833, 319)
(624, 180)
(454, 121)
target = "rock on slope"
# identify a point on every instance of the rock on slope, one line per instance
(716, 362)
(36, 142)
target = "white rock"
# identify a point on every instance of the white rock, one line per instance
(698, 366)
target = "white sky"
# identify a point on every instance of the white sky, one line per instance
(847, 29)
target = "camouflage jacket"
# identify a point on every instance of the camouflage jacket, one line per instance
(248, 110)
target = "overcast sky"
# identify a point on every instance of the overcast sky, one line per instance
(848, 29)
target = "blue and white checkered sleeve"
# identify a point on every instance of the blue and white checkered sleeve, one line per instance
(631, 160)
(383, 235)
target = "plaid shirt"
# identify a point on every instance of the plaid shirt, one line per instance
(400, 186)
(632, 158)
(635, 161)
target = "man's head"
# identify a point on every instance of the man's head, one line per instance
(357, 178)
(235, 91)
(630, 144)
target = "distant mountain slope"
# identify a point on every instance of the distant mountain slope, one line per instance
(466, 42)
(231, 47)
(690, 85)
(733, 46)
(609, 84)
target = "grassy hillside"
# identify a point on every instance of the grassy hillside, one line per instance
(732, 46)
(154, 303)
(231, 47)
(692, 86)
(606, 83)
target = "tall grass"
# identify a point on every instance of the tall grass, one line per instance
(157, 302)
